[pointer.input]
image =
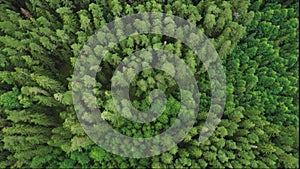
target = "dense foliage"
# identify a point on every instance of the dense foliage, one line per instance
(257, 41)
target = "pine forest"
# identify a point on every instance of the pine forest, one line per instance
(41, 41)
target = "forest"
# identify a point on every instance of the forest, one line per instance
(41, 40)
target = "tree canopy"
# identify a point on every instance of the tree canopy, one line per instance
(257, 41)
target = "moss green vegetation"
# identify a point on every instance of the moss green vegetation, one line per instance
(256, 40)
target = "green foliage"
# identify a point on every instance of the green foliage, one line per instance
(256, 40)
(9, 100)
